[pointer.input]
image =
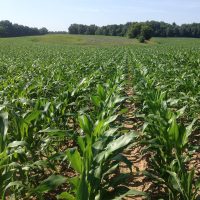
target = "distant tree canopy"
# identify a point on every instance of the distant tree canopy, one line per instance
(82, 29)
(159, 29)
(7, 29)
(140, 29)
(112, 30)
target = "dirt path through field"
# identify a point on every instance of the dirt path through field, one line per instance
(140, 162)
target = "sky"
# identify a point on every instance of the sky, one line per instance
(57, 15)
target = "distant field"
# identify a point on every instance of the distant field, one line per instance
(96, 40)
(92, 40)
(175, 40)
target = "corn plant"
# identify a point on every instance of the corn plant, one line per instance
(100, 158)
(183, 183)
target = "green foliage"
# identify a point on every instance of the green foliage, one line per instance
(51, 93)
(159, 29)
(7, 29)
(141, 39)
(50, 99)
(3, 32)
(146, 32)
(166, 98)
(140, 29)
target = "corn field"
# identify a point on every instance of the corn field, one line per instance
(51, 94)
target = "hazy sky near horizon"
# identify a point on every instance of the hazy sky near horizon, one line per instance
(57, 15)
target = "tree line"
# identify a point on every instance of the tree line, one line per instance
(7, 29)
(159, 29)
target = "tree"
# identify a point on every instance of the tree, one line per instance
(146, 32)
(81, 29)
(73, 29)
(3, 32)
(140, 29)
(8, 26)
(133, 29)
(43, 31)
(141, 39)
(169, 32)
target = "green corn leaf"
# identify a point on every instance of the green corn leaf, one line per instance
(182, 132)
(120, 142)
(189, 130)
(32, 116)
(70, 114)
(161, 169)
(17, 166)
(123, 159)
(85, 124)
(97, 146)
(58, 132)
(101, 92)
(110, 119)
(82, 81)
(3, 130)
(95, 178)
(108, 195)
(20, 143)
(180, 111)
(173, 131)
(133, 192)
(83, 110)
(173, 101)
(144, 126)
(87, 158)
(81, 144)
(32, 191)
(110, 131)
(190, 180)
(26, 101)
(117, 181)
(123, 111)
(96, 101)
(197, 184)
(8, 175)
(112, 167)
(176, 182)
(98, 128)
(66, 195)
(51, 130)
(51, 183)
(74, 183)
(57, 156)
(46, 164)
(46, 107)
(184, 178)
(75, 160)
(3, 125)
(82, 191)
(152, 176)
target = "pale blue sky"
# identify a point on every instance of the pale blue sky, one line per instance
(57, 15)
